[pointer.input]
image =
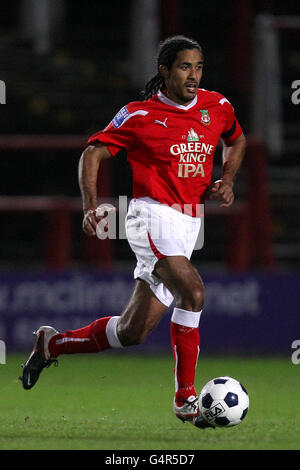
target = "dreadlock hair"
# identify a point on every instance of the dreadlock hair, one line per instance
(167, 54)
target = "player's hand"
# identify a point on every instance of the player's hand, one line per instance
(223, 192)
(92, 217)
(90, 222)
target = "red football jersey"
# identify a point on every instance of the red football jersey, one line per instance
(170, 147)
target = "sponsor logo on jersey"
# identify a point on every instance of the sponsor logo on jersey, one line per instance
(205, 117)
(162, 123)
(120, 117)
(191, 158)
(123, 115)
(192, 136)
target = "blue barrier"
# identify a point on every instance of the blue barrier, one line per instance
(251, 313)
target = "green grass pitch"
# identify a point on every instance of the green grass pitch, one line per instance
(124, 401)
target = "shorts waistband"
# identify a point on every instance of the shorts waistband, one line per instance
(150, 201)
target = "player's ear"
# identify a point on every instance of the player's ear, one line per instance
(164, 71)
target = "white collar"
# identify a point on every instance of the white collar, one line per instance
(167, 100)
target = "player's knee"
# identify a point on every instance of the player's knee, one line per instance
(198, 298)
(192, 298)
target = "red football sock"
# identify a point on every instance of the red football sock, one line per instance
(90, 339)
(185, 345)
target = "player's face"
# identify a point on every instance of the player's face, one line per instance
(183, 78)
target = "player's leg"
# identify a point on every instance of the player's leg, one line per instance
(184, 282)
(140, 316)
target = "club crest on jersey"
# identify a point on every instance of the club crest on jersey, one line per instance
(205, 117)
(192, 136)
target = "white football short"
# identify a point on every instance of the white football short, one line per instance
(155, 231)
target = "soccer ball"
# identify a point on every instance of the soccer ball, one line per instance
(223, 401)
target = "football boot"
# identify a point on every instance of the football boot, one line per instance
(39, 357)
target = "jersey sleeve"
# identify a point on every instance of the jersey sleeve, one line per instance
(120, 132)
(232, 129)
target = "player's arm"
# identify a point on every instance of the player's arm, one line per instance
(88, 168)
(233, 154)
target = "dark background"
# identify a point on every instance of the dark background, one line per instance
(82, 80)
